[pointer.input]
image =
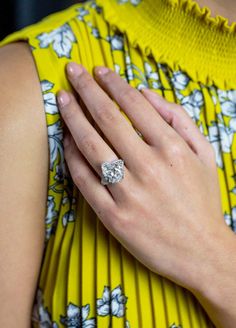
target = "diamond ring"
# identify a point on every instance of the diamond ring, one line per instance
(112, 172)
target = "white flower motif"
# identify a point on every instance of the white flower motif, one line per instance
(234, 190)
(49, 98)
(82, 12)
(221, 138)
(61, 40)
(227, 218)
(116, 41)
(55, 135)
(151, 75)
(115, 298)
(174, 326)
(40, 313)
(51, 212)
(133, 2)
(193, 103)
(117, 68)
(228, 105)
(50, 103)
(179, 95)
(51, 216)
(96, 7)
(68, 217)
(129, 71)
(96, 33)
(77, 317)
(127, 324)
(234, 218)
(59, 174)
(67, 200)
(46, 85)
(180, 80)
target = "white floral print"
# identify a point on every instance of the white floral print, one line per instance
(133, 2)
(192, 104)
(55, 135)
(221, 138)
(115, 298)
(129, 70)
(152, 76)
(51, 217)
(77, 317)
(82, 12)
(234, 218)
(68, 217)
(228, 105)
(116, 41)
(180, 80)
(40, 314)
(61, 39)
(49, 98)
(96, 7)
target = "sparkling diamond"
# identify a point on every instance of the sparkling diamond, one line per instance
(112, 172)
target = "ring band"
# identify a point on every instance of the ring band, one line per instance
(112, 172)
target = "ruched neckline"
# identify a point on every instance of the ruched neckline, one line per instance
(179, 33)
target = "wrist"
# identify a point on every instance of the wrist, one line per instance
(216, 286)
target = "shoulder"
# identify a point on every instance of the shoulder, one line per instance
(23, 181)
(19, 75)
(21, 101)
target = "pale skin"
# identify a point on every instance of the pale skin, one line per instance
(22, 234)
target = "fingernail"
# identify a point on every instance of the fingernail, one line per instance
(101, 70)
(63, 98)
(74, 69)
(146, 90)
(150, 92)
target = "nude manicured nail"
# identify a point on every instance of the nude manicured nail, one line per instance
(63, 98)
(101, 70)
(74, 69)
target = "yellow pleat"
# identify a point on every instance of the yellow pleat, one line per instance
(88, 259)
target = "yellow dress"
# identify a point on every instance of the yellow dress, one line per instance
(87, 278)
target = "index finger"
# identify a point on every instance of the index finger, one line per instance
(141, 112)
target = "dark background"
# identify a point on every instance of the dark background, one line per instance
(15, 14)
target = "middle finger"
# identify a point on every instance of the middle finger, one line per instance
(107, 115)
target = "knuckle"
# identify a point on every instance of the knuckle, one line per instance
(148, 169)
(175, 152)
(104, 114)
(80, 180)
(68, 114)
(88, 145)
(83, 83)
(129, 94)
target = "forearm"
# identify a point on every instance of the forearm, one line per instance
(217, 287)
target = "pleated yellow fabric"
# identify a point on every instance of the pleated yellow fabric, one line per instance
(87, 278)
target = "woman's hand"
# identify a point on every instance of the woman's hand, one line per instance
(167, 209)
